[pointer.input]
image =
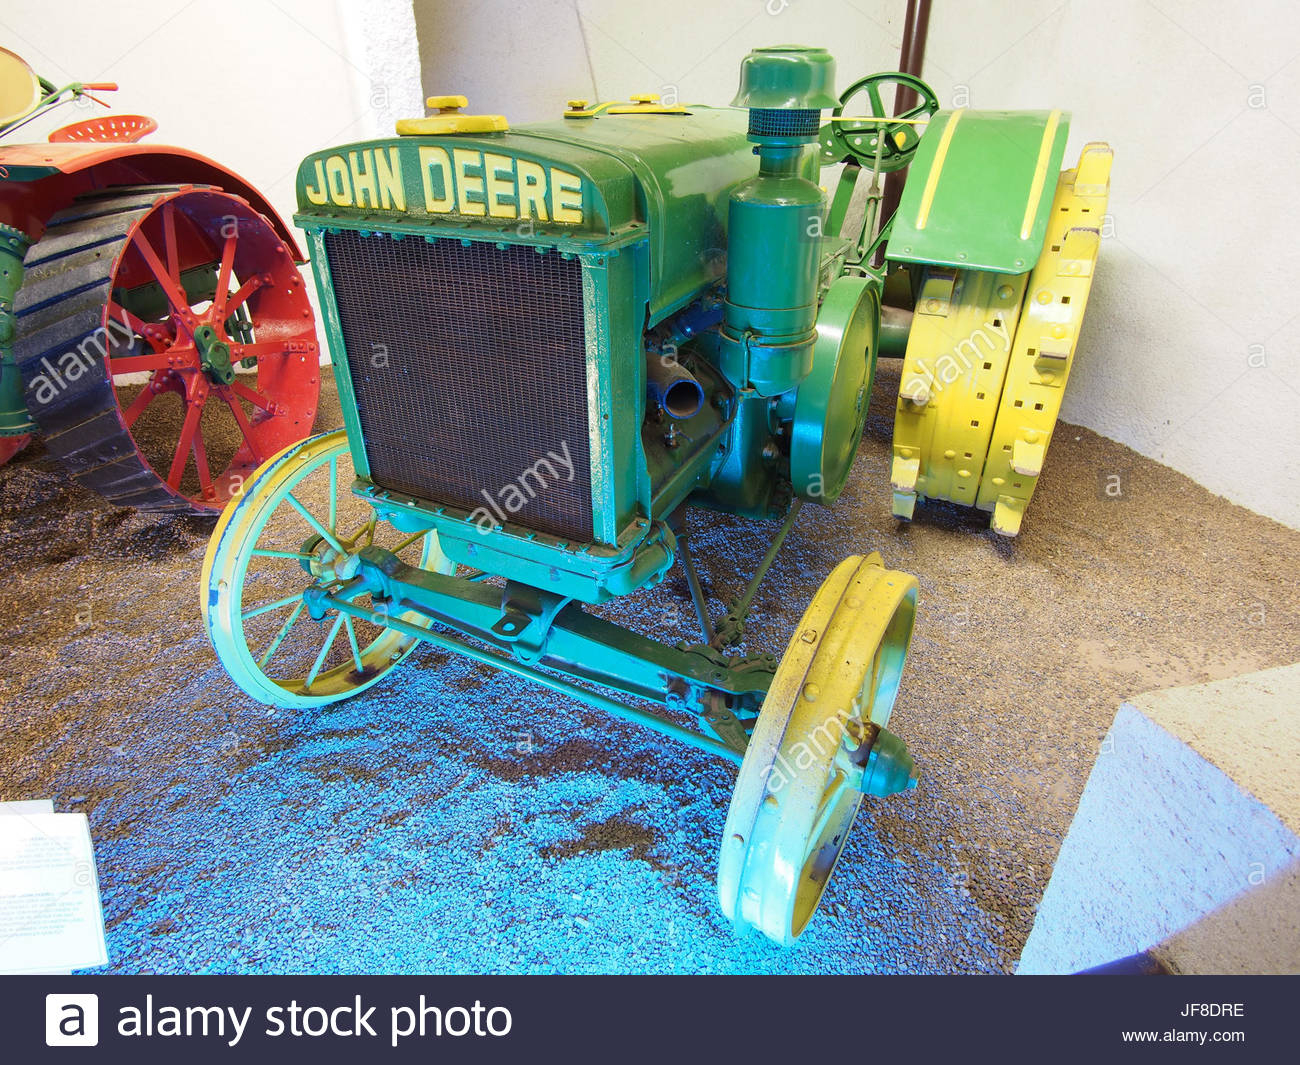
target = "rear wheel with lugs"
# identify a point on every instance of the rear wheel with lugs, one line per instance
(166, 344)
(988, 359)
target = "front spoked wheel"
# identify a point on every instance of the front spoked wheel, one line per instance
(297, 526)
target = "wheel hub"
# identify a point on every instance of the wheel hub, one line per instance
(214, 355)
(327, 563)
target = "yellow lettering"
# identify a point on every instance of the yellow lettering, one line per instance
(434, 161)
(317, 195)
(465, 183)
(336, 173)
(566, 196)
(388, 172)
(532, 190)
(498, 174)
(363, 178)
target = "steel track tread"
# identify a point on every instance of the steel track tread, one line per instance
(1043, 351)
(59, 327)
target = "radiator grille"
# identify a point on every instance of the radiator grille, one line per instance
(469, 366)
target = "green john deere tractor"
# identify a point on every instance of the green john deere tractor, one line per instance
(551, 341)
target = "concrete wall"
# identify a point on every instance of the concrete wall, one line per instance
(1190, 350)
(1186, 841)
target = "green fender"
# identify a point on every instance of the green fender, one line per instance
(980, 189)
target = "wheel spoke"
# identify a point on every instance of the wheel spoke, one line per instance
(314, 522)
(132, 321)
(183, 445)
(355, 538)
(324, 651)
(242, 293)
(266, 552)
(169, 242)
(352, 639)
(201, 462)
(266, 608)
(877, 106)
(241, 419)
(334, 495)
(830, 800)
(223, 276)
(252, 395)
(171, 288)
(260, 349)
(119, 364)
(138, 405)
(279, 636)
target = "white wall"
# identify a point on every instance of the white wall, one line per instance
(254, 84)
(1189, 351)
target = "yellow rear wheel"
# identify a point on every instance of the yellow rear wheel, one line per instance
(1048, 334)
(987, 362)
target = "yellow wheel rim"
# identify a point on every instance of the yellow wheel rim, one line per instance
(296, 525)
(794, 804)
(957, 355)
(1046, 339)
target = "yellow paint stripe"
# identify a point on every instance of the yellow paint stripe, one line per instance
(1040, 173)
(932, 181)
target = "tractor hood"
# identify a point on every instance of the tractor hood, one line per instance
(577, 184)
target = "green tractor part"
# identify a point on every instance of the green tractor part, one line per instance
(551, 342)
(770, 316)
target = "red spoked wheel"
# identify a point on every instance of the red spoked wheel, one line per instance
(167, 345)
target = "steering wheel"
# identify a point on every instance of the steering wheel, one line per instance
(844, 140)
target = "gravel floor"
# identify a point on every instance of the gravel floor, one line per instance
(452, 820)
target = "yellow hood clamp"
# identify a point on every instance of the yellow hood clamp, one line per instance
(449, 120)
(642, 104)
